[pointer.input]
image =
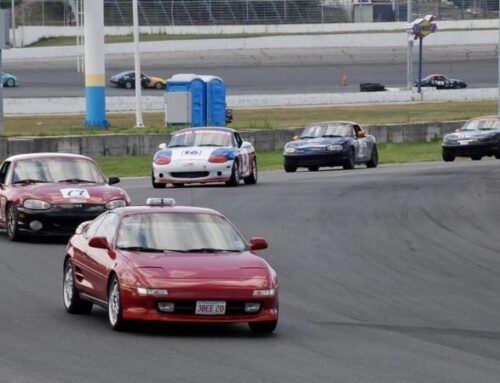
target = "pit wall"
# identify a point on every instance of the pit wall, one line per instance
(147, 144)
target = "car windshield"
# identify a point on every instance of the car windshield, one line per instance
(327, 130)
(484, 124)
(54, 169)
(178, 232)
(201, 137)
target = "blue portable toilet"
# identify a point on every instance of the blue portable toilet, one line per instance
(216, 100)
(198, 88)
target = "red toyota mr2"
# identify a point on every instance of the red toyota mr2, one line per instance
(160, 262)
(52, 193)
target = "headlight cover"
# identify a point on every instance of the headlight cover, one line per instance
(116, 203)
(36, 204)
(289, 150)
(334, 148)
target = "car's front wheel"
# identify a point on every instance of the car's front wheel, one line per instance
(373, 158)
(235, 175)
(263, 327)
(289, 168)
(349, 162)
(156, 185)
(252, 178)
(10, 83)
(13, 223)
(72, 302)
(129, 85)
(159, 85)
(115, 309)
(447, 156)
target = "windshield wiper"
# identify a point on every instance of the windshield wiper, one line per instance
(301, 137)
(75, 180)
(29, 181)
(331, 135)
(209, 250)
(177, 146)
(209, 145)
(142, 248)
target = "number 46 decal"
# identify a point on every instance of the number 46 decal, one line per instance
(75, 193)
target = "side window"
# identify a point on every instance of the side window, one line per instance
(238, 139)
(92, 228)
(3, 172)
(107, 228)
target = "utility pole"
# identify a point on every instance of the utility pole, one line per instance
(13, 17)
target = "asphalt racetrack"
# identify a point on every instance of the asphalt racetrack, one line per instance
(267, 71)
(387, 275)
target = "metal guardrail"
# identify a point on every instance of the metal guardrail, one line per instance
(247, 12)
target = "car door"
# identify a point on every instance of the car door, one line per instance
(363, 147)
(3, 192)
(244, 154)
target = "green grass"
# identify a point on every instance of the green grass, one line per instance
(260, 118)
(388, 153)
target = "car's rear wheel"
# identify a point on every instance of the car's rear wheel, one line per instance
(235, 175)
(72, 302)
(10, 83)
(447, 156)
(476, 158)
(252, 178)
(13, 223)
(115, 310)
(349, 162)
(263, 327)
(313, 168)
(156, 185)
(129, 85)
(373, 163)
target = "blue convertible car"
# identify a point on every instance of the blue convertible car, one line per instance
(332, 143)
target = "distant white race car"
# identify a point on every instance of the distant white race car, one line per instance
(203, 155)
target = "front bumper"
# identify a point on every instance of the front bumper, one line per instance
(146, 308)
(192, 172)
(316, 159)
(472, 149)
(59, 219)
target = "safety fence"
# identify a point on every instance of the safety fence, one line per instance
(247, 12)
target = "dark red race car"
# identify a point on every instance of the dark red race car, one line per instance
(164, 263)
(52, 193)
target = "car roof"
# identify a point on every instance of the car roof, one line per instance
(490, 117)
(221, 128)
(334, 122)
(29, 156)
(141, 209)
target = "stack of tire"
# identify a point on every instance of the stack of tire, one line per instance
(371, 87)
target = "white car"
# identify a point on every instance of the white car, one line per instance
(202, 155)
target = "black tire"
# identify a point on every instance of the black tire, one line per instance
(10, 83)
(349, 162)
(159, 85)
(313, 168)
(476, 158)
(252, 178)
(129, 85)
(12, 224)
(497, 156)
(156, 185)
(115, 310)
(447, 156)
(178, 185)
(263, 327)
(235, 175)
(290, 168)
(71, 298)
(373, 163)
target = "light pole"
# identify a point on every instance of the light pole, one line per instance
(137, 60)
(13, 17)
(409, 52)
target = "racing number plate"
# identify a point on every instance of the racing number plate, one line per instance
(210, 308)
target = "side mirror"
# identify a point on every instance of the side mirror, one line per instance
(257, 243)
(295, 138)
(99, 243)
(162, 146)
(82, 227)
(246, 145)
(113, 180)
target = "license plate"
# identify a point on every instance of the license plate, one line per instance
(210, 308)
(464, 142)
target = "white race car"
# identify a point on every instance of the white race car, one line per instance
(202, 155)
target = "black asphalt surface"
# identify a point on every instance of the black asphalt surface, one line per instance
(267, 71)
(387, 275)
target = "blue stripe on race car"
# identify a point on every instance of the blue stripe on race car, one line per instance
(231, 154)
(163, 153)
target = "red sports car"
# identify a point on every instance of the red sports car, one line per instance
(160, 262)
(52, 193)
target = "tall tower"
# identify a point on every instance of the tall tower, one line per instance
(95, 81)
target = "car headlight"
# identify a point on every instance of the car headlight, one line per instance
(144, 291)
(116, 203)
(36, 204)
(289, 150)
(264, 293)
(334, 148)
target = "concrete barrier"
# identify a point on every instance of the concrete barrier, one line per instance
(146, 144)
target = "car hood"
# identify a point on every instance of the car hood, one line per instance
(317, 142)
(470, 134)
(199, 266)
(60, 193)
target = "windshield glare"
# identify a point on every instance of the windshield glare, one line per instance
(56, 169)
(201, 137)
(178, 232)
(327, 130)
(487, 124)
